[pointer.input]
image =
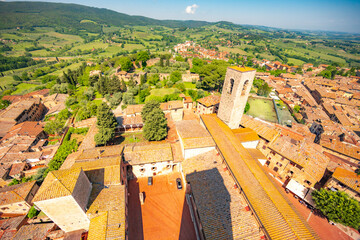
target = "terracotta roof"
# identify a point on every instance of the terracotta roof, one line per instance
(245, 134)
(342, 118)
(13, 223)
(34, 231)
(27, 128)
(15, 193)
(264, 129)
(193, 135)
(57, 184)
(272, 208)
(108, 220)
(17, 168)
(100, 152)
(303, 154)
(133, 120)
(343, 148)
(349, 178)
(171, 105)
(133, 109)
(15, 109)
(142, 153)
(188, 100)
(209, 100)
(110, 168)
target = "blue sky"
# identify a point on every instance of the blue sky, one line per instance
(331, 15)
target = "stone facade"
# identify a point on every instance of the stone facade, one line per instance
(69, 212)
(337, 185)
(237, 85)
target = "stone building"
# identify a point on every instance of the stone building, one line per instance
(145, 160)
(18, 112)
(194, 139)
(16, 199)
(346, 181)
(208, 105)
(63, 197)
(237, 85)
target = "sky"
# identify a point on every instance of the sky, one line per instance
(328, 15)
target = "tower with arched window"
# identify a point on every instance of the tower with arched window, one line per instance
(237, 85)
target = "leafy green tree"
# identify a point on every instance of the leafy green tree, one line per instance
(179, 58)
(148, 107)
(104, 136)
(105, 117)
(142, 56)
(24, 76)
(338, 207)
(175, 76)
(32, 212)
(297, 108)
(247, 107)
(154, 79)
(126, 64)
(143, 79)
(115, 100)
(128, 98)
(155, 123)
(4, 104)
(54, 127)
(143, 94)
(17, 78)
(264, 90)
(64, 114)
(106, 123)
(113, 85)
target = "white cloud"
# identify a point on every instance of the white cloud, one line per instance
(191, 9)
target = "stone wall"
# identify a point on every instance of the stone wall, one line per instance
(233, 99)
(65, 212)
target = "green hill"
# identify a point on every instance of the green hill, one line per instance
(60, 15)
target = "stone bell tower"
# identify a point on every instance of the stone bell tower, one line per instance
(237, 85)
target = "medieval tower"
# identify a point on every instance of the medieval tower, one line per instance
(237, 85)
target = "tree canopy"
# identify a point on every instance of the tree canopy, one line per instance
(338, 207)
(106, 123)
(155, 123)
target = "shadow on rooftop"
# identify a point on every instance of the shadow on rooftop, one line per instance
(134, 209)
(212, 200)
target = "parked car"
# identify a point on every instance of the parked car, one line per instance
(178, 183)
(150, 181)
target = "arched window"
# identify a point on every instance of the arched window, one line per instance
(243, 92)
(231, 85)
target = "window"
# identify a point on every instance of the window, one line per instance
(153, 168)
(142, 170)
(243, 92)
(231, 85)
(308, 182)
(276, 169)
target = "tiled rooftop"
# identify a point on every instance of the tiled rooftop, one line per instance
(193, 135)
(220, 205)
(265, 130)
(246, 134)
(141, 153)
(34, 231)
(279, 218)
(58, 183)
(349, 178)
(210, 100)
(15, 193)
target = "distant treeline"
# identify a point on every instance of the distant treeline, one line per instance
(10, 63)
